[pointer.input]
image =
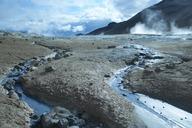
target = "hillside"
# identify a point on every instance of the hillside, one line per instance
(161, 17)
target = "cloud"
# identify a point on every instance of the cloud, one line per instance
(79, 28)
(131, 7)
(66, 28)
(41, 16)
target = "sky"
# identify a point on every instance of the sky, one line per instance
(66, 17)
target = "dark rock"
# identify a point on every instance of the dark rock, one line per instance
(62, 112)
(9, 84)
(35, 58)
(66, 55)
(64, 51)
(12, 94)
(48, 122)
(142, 63)
(49, 59)
(17, 67)
(158, 57)
(1, 42)
(90, 84)
(56, 50)
(124, 94)
(142, 54)
(43, 60)
(132, 62)
(73, 120)
(35, 117)
(111, 47)
(21, 64)
(170, 66)
(158, 69)
(107, 75)
(58, 56)
(125, 47)
(148, 56)
(14, 73)
(31, 69)
(186, 58)
(35, 63)
(49, 69)
(63, 123)
(60, 118)
(147, 72)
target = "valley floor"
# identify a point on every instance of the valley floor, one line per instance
(77, 79)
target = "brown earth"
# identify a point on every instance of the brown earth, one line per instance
(78, 83)
(13, 50)
(170, 80)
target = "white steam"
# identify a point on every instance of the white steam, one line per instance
(155, 24)
(143, 29)
(180, 31)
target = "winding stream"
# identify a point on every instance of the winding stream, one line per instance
(38, 107)
(154, 113)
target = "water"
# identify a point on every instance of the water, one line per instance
(151, 111)
(38, 106)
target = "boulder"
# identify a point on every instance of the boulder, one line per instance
(49, 69)
(107, 76)
(111, 46)
(58, 56)
(170, 66)
(12, 94)
(60, 118)
(9, 84)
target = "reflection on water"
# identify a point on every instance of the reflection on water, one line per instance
(38, 107)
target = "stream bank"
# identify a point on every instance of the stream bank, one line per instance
(159, 113)
(79, 78)
(42, 115)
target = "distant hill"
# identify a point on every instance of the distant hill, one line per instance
(161, 16)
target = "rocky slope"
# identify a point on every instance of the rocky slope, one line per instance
(158, 17)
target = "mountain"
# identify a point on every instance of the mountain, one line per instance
(162, 17)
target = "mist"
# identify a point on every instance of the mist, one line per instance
(155, 24)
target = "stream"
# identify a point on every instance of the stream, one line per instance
(16, 72)
(154, 113)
